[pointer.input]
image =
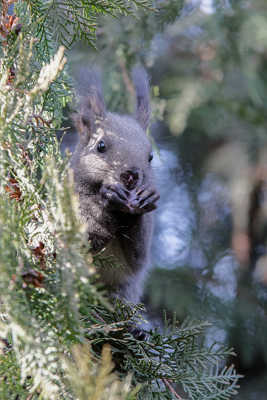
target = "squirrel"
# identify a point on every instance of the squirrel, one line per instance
(114, 180)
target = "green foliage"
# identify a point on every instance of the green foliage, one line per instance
(11, 385)
(66, 21)
(50, 304)
(173, 357)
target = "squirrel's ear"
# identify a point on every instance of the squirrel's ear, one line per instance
(140, 80)
(92, 106)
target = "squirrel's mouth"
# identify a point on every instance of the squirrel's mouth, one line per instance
(129, 179)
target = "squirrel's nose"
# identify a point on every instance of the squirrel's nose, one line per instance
(129, 179)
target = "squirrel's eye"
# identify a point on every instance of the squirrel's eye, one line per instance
(101, 147)
(150, 158)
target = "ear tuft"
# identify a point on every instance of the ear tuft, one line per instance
(141, 84)
(94, 103)
(91, 100)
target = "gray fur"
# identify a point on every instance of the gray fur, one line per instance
(114, 202)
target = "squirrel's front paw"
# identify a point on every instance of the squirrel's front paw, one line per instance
(138, 201)
(115, 196)
(144, 200)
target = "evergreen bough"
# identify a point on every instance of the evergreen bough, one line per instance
(60, 337)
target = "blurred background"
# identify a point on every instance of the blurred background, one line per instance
(207, 61)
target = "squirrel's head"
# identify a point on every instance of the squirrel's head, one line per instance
(112, 147)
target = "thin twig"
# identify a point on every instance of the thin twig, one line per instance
(171, 389)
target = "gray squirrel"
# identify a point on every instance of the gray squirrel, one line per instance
(114, 180)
